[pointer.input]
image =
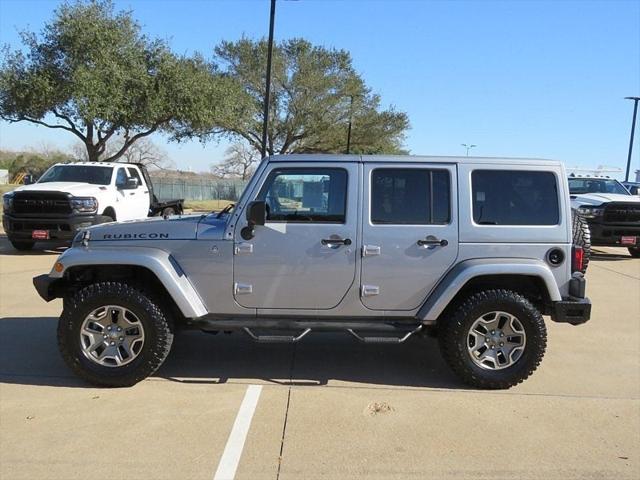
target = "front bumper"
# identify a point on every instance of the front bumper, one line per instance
(62, 228)
(608, 234)
(43, 284)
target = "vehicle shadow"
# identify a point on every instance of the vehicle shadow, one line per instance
(599, 256)
(39, 249)
(29, 356)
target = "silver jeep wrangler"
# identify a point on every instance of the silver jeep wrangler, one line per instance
(475, 250)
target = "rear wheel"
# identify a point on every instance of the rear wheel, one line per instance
(114, 334)
(495, 339)
(168, 211)
(634, 252)
(22, 245)
(581, 237)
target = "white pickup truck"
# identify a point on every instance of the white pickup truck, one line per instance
(72, 196)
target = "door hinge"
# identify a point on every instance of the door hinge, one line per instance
(243, 248)
(370, 250)
(242, 288)
(370, 290)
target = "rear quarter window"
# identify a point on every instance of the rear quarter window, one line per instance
(514, 197)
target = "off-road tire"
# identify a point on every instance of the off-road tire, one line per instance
(168, 211)
(155, 319)
(22, 245)
(453, 331)
(634, 252)
(581, 237)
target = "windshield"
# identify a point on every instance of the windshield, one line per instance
(78, 173)
(579, 186)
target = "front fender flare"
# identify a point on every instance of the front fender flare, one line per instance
(458, 277)
(159, 262)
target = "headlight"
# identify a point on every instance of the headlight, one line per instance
(591, 212)
(84, 204)
(7, 202)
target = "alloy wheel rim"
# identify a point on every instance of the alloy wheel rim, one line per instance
(111, 336)
(496, 340)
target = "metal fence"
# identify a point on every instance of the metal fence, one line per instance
(192, 189)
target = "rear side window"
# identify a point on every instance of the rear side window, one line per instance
(503, 197)
(410, 196)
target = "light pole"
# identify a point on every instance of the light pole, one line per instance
(349, 129)
(267, 94)
(633, 129)
(468, 147)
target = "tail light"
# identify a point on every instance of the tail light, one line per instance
(577, 259)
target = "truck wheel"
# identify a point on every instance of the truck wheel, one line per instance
(634, 252)
(114, 335)
(581, 237)
(495, 339)
(22, 245)
(168, 211)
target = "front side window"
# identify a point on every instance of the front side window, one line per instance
(511, 197)
(410, 196)
(121, 177)
(306, 195)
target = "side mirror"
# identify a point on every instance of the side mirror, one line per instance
(130, 184)
(256, 215)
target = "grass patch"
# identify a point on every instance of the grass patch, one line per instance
(206, 205)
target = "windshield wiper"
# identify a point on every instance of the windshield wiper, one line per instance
(226, 209)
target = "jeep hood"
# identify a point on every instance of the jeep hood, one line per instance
(596, 199)
(73, 188)
(183, 227)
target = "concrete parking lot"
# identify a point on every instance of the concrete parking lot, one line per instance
(329, 407)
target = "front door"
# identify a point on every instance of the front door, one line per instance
(410, 232)
(304, 256)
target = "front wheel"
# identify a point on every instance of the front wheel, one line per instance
(494, 339)
(634, 252)
(22, 245)
(113, 334)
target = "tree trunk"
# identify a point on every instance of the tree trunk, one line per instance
(92, 153)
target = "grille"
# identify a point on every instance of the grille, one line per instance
(41, 202)
(622, 213)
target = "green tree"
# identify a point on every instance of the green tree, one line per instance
(316, 92)
(92, 72)
(33, 162)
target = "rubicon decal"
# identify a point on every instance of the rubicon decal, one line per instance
(131, 236)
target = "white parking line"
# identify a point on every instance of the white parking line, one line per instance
(235, 443)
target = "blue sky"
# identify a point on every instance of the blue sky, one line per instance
(517, 78)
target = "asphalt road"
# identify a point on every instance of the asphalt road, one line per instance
(328, 407)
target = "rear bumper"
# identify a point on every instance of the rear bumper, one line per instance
(576, 308)
(62, 228)
(571, 310)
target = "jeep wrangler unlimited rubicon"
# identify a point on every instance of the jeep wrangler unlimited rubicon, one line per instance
(476, 249)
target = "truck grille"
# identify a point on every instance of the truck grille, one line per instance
(41, 202)
(622, 213)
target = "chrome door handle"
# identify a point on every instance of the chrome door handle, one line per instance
(431, 240)
(335, 241)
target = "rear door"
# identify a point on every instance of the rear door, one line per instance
(410, 232)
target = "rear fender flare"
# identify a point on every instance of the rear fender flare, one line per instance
(462, 273)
